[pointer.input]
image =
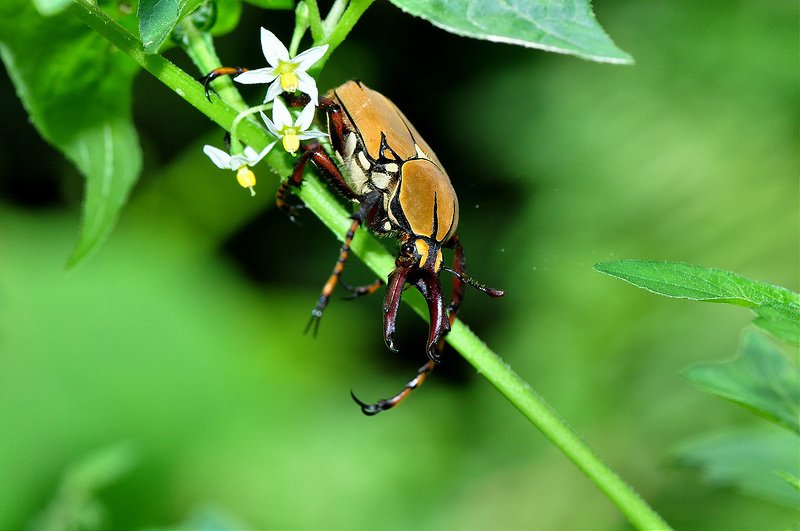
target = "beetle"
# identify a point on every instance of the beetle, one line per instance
(401, 189)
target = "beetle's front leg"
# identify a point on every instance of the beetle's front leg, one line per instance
(330, 172)
(368, 203)
(219, 72)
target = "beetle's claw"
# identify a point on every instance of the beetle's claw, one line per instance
(368, 409)
(434, 354)
(316, 317)
(389, 340)
(207, 88)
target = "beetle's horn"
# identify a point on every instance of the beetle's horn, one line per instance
(428, 284)
(391, 303)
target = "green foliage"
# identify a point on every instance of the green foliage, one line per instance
(562, 26)
(95, 133)
(76, 504)
(157, 19)
(761, 378)
(762, 463)
(777, 309)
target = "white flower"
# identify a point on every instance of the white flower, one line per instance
(284, 74)
(239, 163)
(290, 132)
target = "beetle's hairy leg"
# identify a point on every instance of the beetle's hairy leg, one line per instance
(389, 403)
(315, 153)
(460, 266)
(294, 180)
(361, 291)
(368, 203)
(218, 72)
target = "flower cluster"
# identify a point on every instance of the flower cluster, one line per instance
(285, 74)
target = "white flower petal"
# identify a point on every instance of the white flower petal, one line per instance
(273, 90)
(221, 159)
(263, 153)
(250, 154)
(237, 161)
(306, 83)
(254, 77)
(305, 60)
(273, 48)
(271, 126)
(303, 121)
(306, 135)
(280, 114)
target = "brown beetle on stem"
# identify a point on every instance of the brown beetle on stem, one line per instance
(403, 190)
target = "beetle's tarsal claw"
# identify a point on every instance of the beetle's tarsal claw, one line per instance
(368, 409)
(316, 317)
(206, 82)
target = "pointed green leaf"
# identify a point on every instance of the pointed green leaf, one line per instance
(760, 378)
(755, 461)
(562, 26)
(157, 19)
(76, 88)
(777, 309)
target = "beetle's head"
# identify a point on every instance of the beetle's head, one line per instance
(419, 264)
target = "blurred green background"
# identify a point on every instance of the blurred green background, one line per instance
(167, 381)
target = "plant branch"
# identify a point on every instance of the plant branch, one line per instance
(315, 21)
(325, 206)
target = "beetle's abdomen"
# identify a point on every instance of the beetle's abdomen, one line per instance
(424, 202)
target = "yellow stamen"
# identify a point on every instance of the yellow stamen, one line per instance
(246, 178)
(291, 142)
(289, 81)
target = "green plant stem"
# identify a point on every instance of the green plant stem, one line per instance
(315, 21)
(346, 22)
(338, 34)
(325, 206)
(334, 14)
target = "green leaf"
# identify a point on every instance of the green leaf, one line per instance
(76, 89)
(777, 309)
(228, 13)
(760, 379)
(562, 26)
(157, 19)
(754, 461)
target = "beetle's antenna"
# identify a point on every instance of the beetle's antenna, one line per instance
(494, 293)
